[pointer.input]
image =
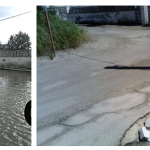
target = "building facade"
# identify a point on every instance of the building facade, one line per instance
(113, 15)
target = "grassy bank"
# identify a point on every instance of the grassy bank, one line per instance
(65, 33)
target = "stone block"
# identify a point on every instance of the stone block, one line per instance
(144, 134)
(147, 123)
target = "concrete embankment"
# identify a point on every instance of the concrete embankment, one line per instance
(15, 60)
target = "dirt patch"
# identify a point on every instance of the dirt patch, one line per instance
(131, 136)
(148, 36)
(145, 62)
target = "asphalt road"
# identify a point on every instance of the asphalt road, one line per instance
(92, 95)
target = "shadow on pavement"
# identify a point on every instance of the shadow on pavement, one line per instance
(126, 67)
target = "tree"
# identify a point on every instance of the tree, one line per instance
(40, 8)
(19, 41)
(1, 46)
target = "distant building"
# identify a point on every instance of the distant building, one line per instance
(61, 11)
(111, 15)
(125, 15)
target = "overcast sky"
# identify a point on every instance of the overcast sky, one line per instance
(16, 24)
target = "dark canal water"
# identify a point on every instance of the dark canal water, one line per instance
(15, 92)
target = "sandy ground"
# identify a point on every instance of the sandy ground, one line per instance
(93, 94)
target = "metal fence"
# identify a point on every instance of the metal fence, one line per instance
(95, 9)
(15, 53)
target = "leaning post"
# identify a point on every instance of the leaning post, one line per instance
(48, 23)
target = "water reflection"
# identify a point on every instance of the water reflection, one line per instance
(15, 92)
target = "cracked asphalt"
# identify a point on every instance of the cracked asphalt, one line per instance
(93, 94)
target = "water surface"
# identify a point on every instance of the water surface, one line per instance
(15, 92)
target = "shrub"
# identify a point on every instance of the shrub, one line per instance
(65, 34)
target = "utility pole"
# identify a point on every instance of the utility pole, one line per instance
(135, 14)
(50, 33)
